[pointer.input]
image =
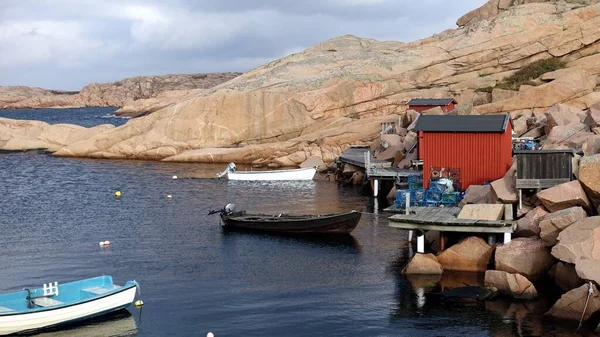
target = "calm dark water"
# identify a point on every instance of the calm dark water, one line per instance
(196, 278)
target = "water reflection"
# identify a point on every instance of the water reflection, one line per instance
(120, 323)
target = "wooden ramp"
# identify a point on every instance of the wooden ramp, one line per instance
(444, 220)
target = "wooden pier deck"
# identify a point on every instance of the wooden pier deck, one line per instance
(443, 219)
(356, 157)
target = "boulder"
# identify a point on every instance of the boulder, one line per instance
(350, 169)
(482, 212)
(571, 305)
(563, 196)
(565, 276)
(520, 126)
(591, 146)
(392, 194)
(390, 153)
(526, 256)
(390, 140)
(423, 264)
(358, 178)
(409, 118)
(589, 176)
(406, 163)
(529, 225)
(580, 240)
(313, 161)
(561, 115)
(554, 223)
(593, 116)
(479, 194)
(506, 190)
(470, 254)
(572, 136)
(513, 285)
(588, 270)
(410, 140)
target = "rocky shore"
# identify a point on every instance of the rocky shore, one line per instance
(113, 94)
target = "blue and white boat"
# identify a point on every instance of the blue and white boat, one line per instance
(56, 304)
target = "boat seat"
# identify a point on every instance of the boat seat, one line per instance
(97, 290)
(5, 309)
(46, 302)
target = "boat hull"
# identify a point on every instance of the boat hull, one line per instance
(323, 224)
(23, 322)
(295, 174)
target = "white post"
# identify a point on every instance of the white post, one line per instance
(410, 235)
(520, 198)
(492, 239)
(507, 237)
(421, 243)
(407, 203)
(375, 188)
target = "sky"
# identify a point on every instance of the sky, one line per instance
(66, 44)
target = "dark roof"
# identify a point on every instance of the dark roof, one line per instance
(462, 123)
(431, 101)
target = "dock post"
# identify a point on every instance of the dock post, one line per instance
(375, 188)
(491, 239)
(520, 198)
(406, 211)
(421, 243)
(507, 237)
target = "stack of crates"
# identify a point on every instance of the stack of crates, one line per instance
(415, 182)
(400, 201)
(450, 199)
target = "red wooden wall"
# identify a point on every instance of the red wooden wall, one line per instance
(421, 108)
(481, 157)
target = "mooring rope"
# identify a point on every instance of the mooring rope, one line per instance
(590, 292)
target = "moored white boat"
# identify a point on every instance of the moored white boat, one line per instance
(293, 174)
(58, 304)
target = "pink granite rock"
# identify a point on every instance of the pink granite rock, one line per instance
(580, 240)
(471, 254)
(563, 196)
(554, 223)
(526, 256)
(513, 285)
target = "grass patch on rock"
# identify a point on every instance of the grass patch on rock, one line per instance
(530, 72)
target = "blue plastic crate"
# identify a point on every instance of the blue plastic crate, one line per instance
(450, 198)
(401, 195)
(433, 195)
(415, 179)
(431, 203)
(415, 186)
(417, 195)
(435, 185)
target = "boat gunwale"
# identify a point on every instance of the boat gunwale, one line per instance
(274, 171)
(285, 219)
(67, 305)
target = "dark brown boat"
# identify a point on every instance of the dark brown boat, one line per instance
(341, 223)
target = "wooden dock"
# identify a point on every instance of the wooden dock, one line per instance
(357, 156)
(375, 170)
(444, 219)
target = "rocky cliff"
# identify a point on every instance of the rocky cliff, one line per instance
(306, 103)
(108, 94)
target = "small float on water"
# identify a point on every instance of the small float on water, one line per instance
(341, 223)
(231, 173)
(58, 304)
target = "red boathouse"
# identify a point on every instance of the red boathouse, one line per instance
(469, 149)
(422, 104)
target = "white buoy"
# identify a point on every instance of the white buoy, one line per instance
(104, 243)
(169, 196)
(210, 334)
(174, 178)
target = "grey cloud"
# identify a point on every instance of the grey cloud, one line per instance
(65, 44)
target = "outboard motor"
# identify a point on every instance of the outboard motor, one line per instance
(230, 168)
(230, 208)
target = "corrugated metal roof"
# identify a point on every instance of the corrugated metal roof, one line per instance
(462, 123)
(431, 101)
